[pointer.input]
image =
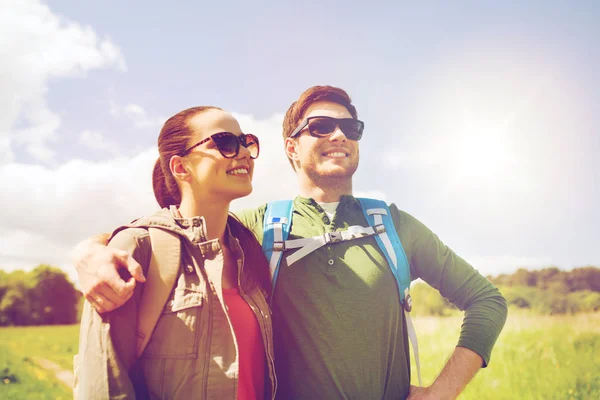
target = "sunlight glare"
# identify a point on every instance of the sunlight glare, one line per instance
(483, 155)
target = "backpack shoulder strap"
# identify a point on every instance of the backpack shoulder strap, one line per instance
(377, 212)
(276, 229)
(162, 272)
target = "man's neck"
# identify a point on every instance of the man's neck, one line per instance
(325, 191)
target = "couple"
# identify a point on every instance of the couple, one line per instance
(338, 329)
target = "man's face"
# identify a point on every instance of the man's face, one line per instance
(334, 156)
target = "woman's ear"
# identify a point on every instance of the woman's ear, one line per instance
(179, 168)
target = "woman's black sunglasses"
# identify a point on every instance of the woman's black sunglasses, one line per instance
(229, 144)
(324, 126)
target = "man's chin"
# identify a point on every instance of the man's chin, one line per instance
(337, 173)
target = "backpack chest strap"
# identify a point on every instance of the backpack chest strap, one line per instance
(308, 245)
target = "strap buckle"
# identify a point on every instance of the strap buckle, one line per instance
(332, 237)
(408, 303)
(278, 246)
(379, 228)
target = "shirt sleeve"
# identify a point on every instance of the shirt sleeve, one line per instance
(107, 342)
(253, 220)
(434, 262)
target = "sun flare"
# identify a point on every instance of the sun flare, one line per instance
(482, 155)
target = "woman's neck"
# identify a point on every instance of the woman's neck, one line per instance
(215, 215)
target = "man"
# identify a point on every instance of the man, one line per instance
(339, 328)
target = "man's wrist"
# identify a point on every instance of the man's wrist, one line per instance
(82, 249)
(100, 239)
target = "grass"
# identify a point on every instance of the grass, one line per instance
(20, 377)
(536, 357)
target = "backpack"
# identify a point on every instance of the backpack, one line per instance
(277, 226)
(161, 275)
(160, 278)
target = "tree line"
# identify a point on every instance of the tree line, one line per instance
(579, 279)
(46, 296)
(43, 296)
(547, 291)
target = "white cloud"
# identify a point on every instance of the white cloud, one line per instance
(134, 110)
(48, 210)
(26, 250)
(36, 46)
(97, 141)
(274, 177)
(137, 115)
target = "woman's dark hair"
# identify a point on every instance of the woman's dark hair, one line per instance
(255, 261)
(174, 138)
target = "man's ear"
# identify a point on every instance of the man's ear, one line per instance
(179, 168)
(291, 149)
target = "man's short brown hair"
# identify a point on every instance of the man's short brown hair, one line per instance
(294, 114)
(314, 94)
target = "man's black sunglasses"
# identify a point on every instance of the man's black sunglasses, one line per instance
(324, 126)
(229, 144)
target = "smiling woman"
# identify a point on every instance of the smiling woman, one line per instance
(204, 293)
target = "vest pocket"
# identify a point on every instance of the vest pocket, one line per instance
(178, 329)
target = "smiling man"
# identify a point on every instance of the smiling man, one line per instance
(339, 327)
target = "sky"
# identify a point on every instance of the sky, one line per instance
(481, 118)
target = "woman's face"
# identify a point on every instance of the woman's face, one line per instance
(213, 176)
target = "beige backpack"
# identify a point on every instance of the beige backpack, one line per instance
(160, 278)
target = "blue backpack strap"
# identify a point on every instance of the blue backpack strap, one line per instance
(276, 229)
(377, 212)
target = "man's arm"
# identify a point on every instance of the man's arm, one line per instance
(484, 306)
(107, 275)
(458, 371)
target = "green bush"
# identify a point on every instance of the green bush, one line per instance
(44, 296)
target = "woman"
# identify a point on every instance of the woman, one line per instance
(213, 338)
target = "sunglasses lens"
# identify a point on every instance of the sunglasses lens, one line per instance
(321, 126)
(352, 128)
(227, 143)
(324, 126)
(251, 143)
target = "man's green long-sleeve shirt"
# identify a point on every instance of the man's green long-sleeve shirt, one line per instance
(338, 323)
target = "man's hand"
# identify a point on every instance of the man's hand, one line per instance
(458, 371)
(420, 393)
(107, 275)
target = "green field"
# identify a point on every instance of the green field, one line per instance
(536, 357)
(21, 347)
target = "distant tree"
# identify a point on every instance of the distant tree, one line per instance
(523, 277)
(553, 279)
(42, 296)
(55, 296)
(428, 301)
(15, 306)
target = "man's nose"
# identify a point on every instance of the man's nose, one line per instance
(338, 134)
